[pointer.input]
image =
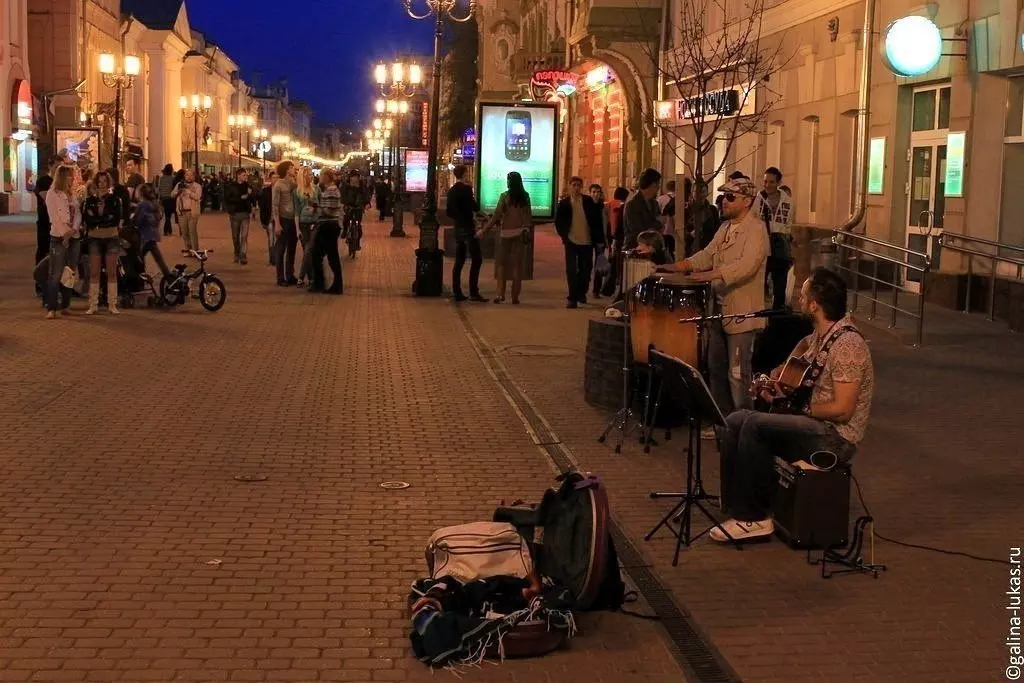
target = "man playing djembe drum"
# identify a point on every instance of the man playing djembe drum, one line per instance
(734, 264)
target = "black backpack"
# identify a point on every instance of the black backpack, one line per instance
(568, 534)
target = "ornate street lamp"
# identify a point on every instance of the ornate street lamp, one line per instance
(428, 251)
(120, 79)
(196, 108)
(398, 83)
(262, 144)
(241, 124)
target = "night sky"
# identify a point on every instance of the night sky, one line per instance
(325, 48)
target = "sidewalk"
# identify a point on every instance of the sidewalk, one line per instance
(129, 549)
(940, 466)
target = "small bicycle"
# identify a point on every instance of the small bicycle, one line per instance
(175, 286)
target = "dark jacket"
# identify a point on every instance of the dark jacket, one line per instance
(639, 215)
(595, 221)
(462, 207)
(265, 199)
(353, 196)
(237, 197)
(103, 218)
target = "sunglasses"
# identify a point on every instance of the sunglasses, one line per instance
(729, 197)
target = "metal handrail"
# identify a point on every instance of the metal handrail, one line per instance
(903, 264)
(993, 259)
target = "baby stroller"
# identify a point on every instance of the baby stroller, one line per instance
(134, 284)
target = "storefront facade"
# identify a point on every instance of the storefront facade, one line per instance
(945, 122)
(17, 112)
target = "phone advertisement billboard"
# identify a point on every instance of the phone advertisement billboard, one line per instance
(416, 166)
(521, 138)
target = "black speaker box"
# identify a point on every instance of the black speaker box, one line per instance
(812, 507)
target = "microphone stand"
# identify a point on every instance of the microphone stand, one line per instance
(620, 420)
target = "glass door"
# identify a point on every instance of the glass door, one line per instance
(926, 186)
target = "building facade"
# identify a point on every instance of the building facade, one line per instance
(946, 141)
(18, 111)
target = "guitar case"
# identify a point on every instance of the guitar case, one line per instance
(569, 538)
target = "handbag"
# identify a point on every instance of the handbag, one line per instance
(479, 550)
(68, 278)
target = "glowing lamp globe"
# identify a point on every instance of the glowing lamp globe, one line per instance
(913, 46)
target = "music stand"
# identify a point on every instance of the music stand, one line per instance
(685, 381)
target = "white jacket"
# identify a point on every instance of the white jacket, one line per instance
(781, 219)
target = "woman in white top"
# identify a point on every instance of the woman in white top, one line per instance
(65, 245)
(514, 216)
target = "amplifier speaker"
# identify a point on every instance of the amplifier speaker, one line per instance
(812, 507)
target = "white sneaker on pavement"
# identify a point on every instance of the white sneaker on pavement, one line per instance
(743, 531)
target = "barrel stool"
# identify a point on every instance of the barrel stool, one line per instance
(602, 373)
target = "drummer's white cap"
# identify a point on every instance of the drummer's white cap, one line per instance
(741, 186)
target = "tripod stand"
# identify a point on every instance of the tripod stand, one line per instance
(621, 420)
(685, 380)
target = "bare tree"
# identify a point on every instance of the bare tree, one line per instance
(719, 86)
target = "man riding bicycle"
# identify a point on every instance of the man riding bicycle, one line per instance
(353, 200)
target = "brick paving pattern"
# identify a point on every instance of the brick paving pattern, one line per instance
(130, 552)
(940, 466)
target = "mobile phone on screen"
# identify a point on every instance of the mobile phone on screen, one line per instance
(518, 129)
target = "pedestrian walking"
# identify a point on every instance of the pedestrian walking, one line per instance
(328, 232)
(238, 203)
(283, 212)
(578, 223)
(164, 188)
(189, 196)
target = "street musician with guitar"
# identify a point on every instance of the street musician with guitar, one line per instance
(819, 400)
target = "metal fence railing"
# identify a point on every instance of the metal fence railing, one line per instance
(971, 247)
(906, 265)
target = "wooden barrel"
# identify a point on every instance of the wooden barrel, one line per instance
(602, 373)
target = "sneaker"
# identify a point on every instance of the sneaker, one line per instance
(459, 298)
(572, 304)
(291, 281)
(583, 301)
(477, 297)
(743, 531)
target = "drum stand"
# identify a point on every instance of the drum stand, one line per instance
(621, 420)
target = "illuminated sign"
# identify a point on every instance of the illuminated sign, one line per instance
(719, 104)
(955, 144)
(21, 106)
(876, 166)
(520, 138)
(599, 77)
(912, 46)
(552, 85)
(416, 167)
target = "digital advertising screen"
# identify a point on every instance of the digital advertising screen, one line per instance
(522, 138)
(82, 145)
(416, 164)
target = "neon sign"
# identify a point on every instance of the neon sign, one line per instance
(553, 85)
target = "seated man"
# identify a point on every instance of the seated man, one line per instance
(833, 421)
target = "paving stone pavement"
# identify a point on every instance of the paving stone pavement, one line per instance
(130, 552)
(941, 466)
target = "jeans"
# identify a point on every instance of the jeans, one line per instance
(170, 207)
(271, 242)
(307, 235)
(284, 257)
(60, 256)
(326, 244)
(729, 367)
(189, 224)
(152, 248)
(749, 446)
(471, 244)
(240, 234)
(579, 262)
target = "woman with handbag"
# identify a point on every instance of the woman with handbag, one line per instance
(65, 227)
(514, 216)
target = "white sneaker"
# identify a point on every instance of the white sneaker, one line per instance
(743, 531)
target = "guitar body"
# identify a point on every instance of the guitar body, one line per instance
(791, 392)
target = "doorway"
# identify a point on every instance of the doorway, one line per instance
(926, 177)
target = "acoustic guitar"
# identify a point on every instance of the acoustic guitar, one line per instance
(790, 393)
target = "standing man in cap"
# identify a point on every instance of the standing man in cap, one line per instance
(734, 264)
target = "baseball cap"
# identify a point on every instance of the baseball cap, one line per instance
(740, 186)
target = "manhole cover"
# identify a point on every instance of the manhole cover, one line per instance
(536, 350)
(250, 477)
(394, 485)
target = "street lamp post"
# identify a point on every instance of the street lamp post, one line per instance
(263, 145)
(440, 10)
(398, 85)
(196, 108)
(241, 124)
(119, 79)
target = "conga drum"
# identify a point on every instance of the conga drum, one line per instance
(655, 306)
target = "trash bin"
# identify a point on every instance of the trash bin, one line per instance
(429, 272)
(823, 254)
